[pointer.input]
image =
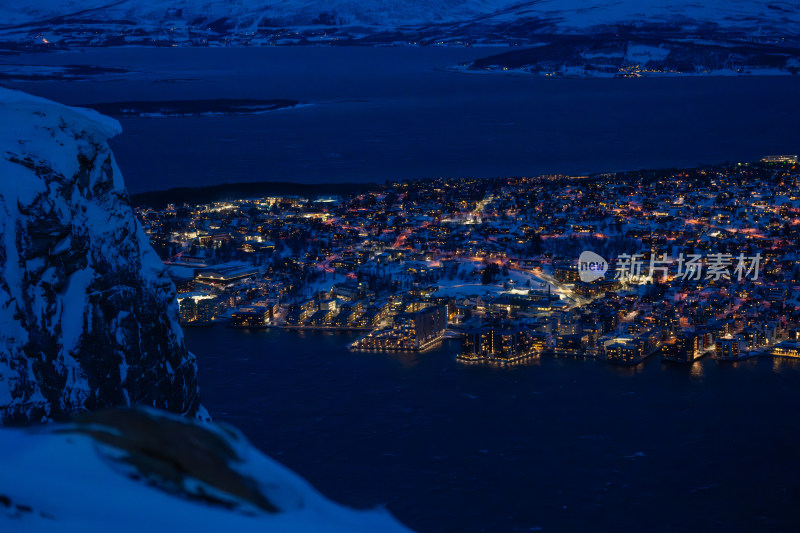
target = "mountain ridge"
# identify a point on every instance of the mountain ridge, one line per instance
(260, 22)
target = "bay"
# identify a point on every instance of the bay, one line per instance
(380, 114)
(561, 444)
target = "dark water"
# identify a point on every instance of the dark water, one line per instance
(561, 445)
(388, 113)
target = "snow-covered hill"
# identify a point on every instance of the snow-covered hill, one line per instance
(297, 12)
(144, 471)
(583, 14)
(98, 22)
(88, 319)
(248, 14)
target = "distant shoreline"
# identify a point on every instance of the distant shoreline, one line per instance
(191, 108)
(235, 191)
(231, 191)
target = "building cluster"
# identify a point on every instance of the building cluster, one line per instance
(415, 331)
(496, 260)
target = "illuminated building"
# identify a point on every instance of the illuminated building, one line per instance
(249, 319)
(410, 331)
(298, 313)
(569, 344)
(730, 348)
(633, 350)
(787, 349)
(754, 337)
(322, 317)
(346, 317)
(779, 159)
(188, 309)
(422, 326)
(206, 309)
(500, 345)
(685, 348)
(224, 277)
(566, 272)
(351, 290)
(596, 288)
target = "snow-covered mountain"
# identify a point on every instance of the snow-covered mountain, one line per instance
(136, 471)
(250, 14)
(253, 22)
(88, 319)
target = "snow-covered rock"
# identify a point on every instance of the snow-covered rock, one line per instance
(88, 319)
(141, 470)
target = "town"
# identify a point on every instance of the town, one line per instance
(495, 263)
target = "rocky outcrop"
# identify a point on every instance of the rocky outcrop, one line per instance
(142, 470)
(88, 318)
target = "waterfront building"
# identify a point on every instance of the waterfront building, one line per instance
(730, 348)
(632, 350)
(249, 319)
(206, 309)
(492, 344)
(684, 348)
(410, 331)
(569, 344)
(422, 326)
(787, 348)
(188, 309)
